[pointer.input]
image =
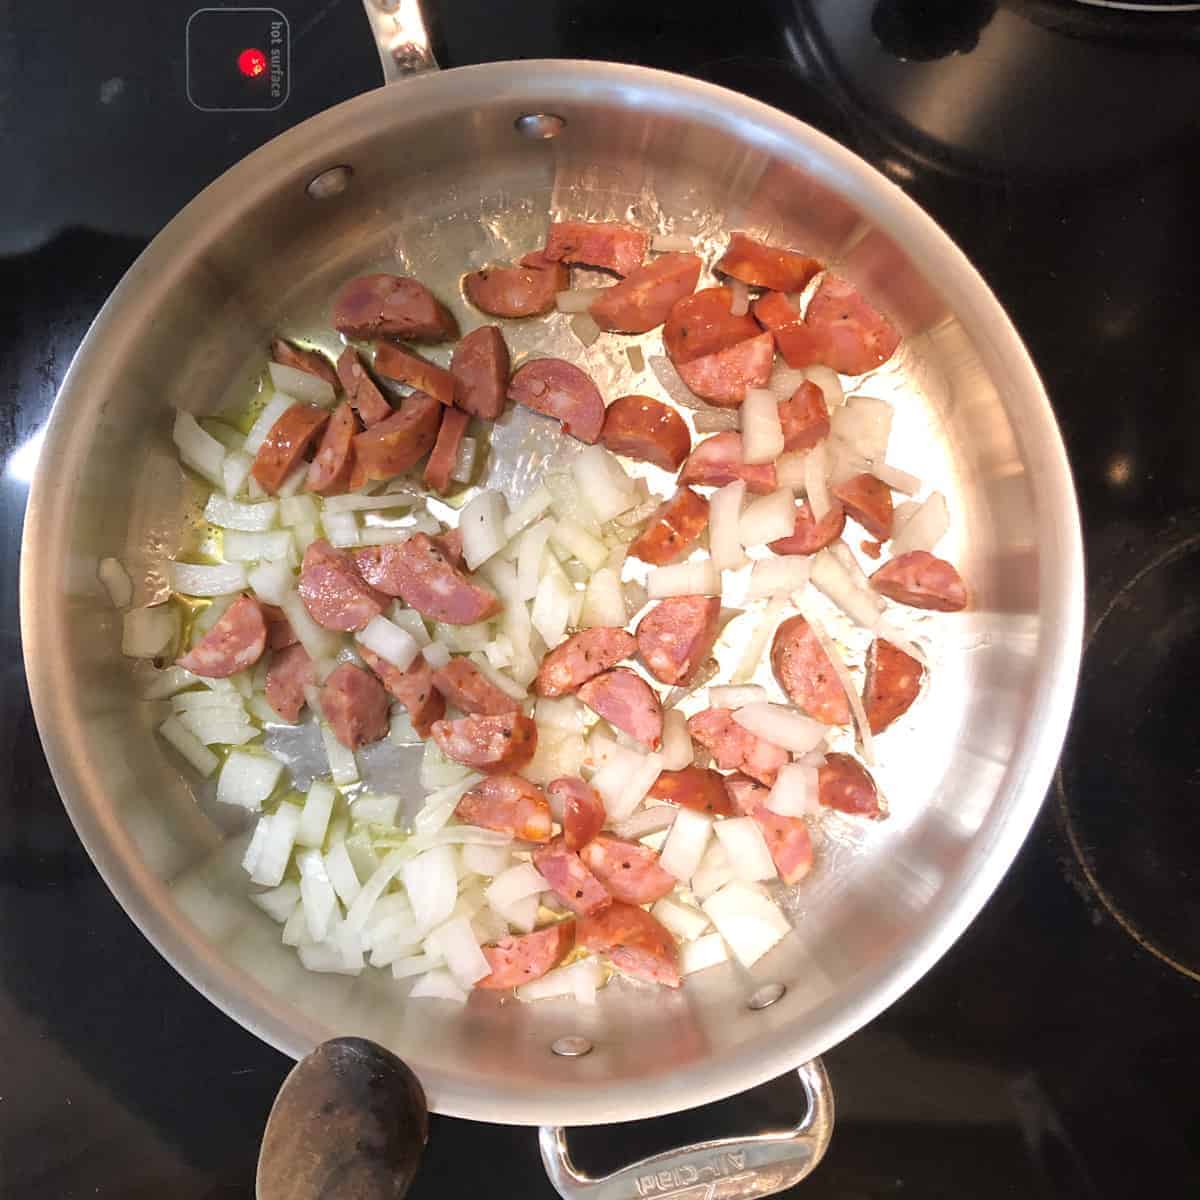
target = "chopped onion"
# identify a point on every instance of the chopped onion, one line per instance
(515, 884)
(321, 644)
(704, 952)
(464, 462)
(781, 726)
(896, 479)
(390, 642)
(200, 579)
(280, 902)
(272, 581)
(235, 471)
(816, 487)
(864, 423)
(856, 705)
(342, 765)
(603, 601)
(579, 979)
(341, 528)
(790, 468)
(564, 712)
(624, 781)
(375, 808)
(637, 360)
(456, 943)
(552, 607)
(250, 518)
(736, 697)
(436, 655)
(671, 243)
(147, 632)
(558, 753)
(247, 779)
(757, 642)
(274, 408)
(330, 959)
(585, 328)
(645, 821)
(684, 848)
(294, 482)
(410, 621)
(229, 703)
(497, 678)
(432, 885)
(357, 502)
(830, 383)
(522, 915)
(698, 578)
(199, 449)
(482, 528)
(215, 728)
(724, 513)
(314, 816)
(417, 964)
(925, 528)
(527, 511)
(316, 893)
(279, 838)
(677, 749)
(739, 306)
(747, 919)
(831, 577)
(360, 911)
(794, 792)
(714, 872)
(190, 746)
(401, 731)
(530, 556)
(570, 503)
(603, 482)
(762, 432)
(576, 300)
(684, 921)
(779, 576)
(301, 385)
(576, 541)
(749, 854)
(116, 582)
(460, 639)
(169, 681)
(785, 380)
(768, 518)
(256, 547)
(488, 861)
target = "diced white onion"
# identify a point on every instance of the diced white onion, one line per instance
(866, 741)
(389, 641)
(724, 513)
(527, 511)
(603, 601)
(558, 753)
(457, 945)
(464, 461)
(280, 902)
(580, 979)
(584, 327)
(497, 678)
(247, 779)
(645, 821)
(515, 884)
(190, 746)
(199, 449)
(779, 576)
(360, 911)
(356, 501)
(816, 486)
(235, 471)
(116, 581)
(341, 528)
(714, 872)
(677, 750)
(522, 915)
(280, 837)
(314, 817)
(552, 607)
(330, 959)
(410, 621)
(830, 577)
(602, 481)
(250, 518)
(747, 919)
(274, 408)
(436, 655)
(431, 882)
(790, 468)
(781, 726)
(201, 579)
(925, 528)
(256, 547)
(684, 848)
(756, 643)
(864, 423)
(321, 644)
(147, 632)
(316, 893)
(794, 792)
(896, 479)
(167, 682)
(294, 482)
(762, 431)
(230, 704)
(624, 781)
(375, 808)
(576, 541)
(301, 385)
(217, 727)
(698, 578)
(271, 582)
(749, 854)
(736, 696)
(482, 526)
(830, 383)
(704, 952)
(418, 964)
(487, 861)
(576, 300)
(768, 518)
(739, 306)
(438, 771)
(342, 765)
(684, 921)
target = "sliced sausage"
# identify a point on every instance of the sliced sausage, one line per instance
(367, 400)
(334, 593)
(507, 804)
(717, 461)
(745, 794)
(394, 362)
(412, 688)
(290, 672)
(764, 266)
(722, 378)
(809, 536)
(702, 324)
(561, 390)
(629, 870)
(393, 445)
(286, 444)
(789, 842)
(635, 942)
(355, 705)
(524, 290)
(893, 682)
(643, 299)
(626, 701)
(582, 657)
(480, 367)
(571, 881)
(672, 529)
(280, 633)
(920, 580)
(329, 471)
(844, 783)
(235, 642)
(420, 572)
(583, 811)
(464, 686)
(699, 788)
(675, 637)
(646, 430)
(311, 362)
(374, 306)
(804, 417)
(852, 337)
(518, 960)
(805, 673)
(869, 502)
(449, 542)
(494, 745)
(601, 244)
(734, 748)
(444, 456)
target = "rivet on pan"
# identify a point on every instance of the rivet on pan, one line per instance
(571, 1047)
(540, 126)
(766, 996)
(329, 183)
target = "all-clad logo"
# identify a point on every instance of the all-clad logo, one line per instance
(694, 1179)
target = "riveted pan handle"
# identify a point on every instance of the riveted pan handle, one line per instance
(401, 36)
(725, 1169)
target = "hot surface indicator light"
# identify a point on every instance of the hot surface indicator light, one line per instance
(252, 63)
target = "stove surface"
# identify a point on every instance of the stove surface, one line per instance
(1053, 1051)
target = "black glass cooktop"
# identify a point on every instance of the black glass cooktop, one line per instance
(1053, 1052)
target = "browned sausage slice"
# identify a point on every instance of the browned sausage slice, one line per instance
(844, 783)
(625, 700)
(464, 686)
(444, 456)
(805, 673)
(629, 870)
(809, 536)
(634, 941)
(507, 804)
(672, 529)
(789, 842)
(735, 748)
(804, 417)
(717, 461)
(561, 390)
(366, 399)
(311, 362)
(571, 881)
(355, 705)
(893, 682)
(702, 324)
(412, 688)
(286, 444)
(235, 642)
(333, 591)
(646, 430)
(583, 811)
(699, 788)
(644, 298)
(525, 290)
(602, 244)
(676, 636)
(582, 657)
(920, 580)
(518, 960)
(764, 266)
(290, 672)
(494, 745)
(329, 471)
(722, 378)
(392, 446)
(745, 794)
(374, 306)
(420, 573)
(480, 368)
(394, 362)
(869, 502)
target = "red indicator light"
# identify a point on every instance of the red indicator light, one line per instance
(252, 63)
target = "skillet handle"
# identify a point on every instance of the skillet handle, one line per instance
(726, 1169)
(401, 36)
